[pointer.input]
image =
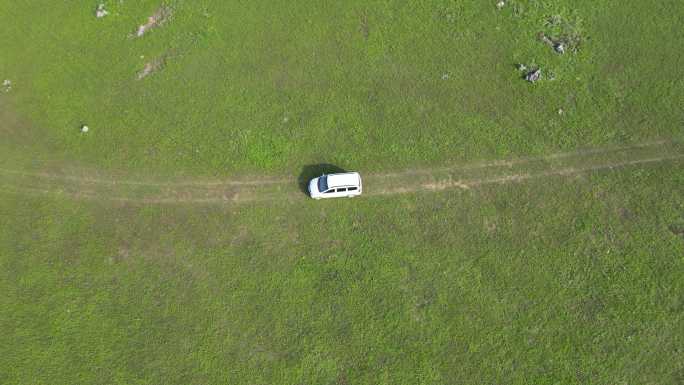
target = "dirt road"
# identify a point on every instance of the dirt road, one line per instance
(466, 176)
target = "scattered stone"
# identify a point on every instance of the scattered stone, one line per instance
(85, 128)
(500, 4)
(522, 67)
(560, 48)
(6, 85)
(101, 12)
(561, 111)
(533, 76)
(157, 19)
(562, 35)
(445, 76)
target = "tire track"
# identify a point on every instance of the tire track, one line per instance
(514, 178)
(524, 160)
(255, 190)
(65, 176)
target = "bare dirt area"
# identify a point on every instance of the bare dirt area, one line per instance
(158, 18)
(151, 67)
(254, 190)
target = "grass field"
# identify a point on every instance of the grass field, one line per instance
(264, 86)
(554, 281)
(499, 240)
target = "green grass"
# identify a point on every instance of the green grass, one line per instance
(575, 281)
(263, 86)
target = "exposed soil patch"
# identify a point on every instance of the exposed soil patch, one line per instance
(158, 18)
(363, 25)
(152, 67)
(677, 229)
(625, 214)
(589, 308)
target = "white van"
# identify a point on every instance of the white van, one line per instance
(336, 186)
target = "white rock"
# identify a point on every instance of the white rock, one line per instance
(500, 4)
(101, 11)
(85, 128)
(560, 48)
(533, 76)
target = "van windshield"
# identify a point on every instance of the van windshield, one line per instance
(322, 183)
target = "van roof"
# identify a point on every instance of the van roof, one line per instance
(346, 179)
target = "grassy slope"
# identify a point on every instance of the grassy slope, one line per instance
(359, 83)
(575, 281)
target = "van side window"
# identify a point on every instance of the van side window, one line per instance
(353, 189)
(332, 190)
(342, 189)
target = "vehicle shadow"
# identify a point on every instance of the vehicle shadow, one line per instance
(315, 170)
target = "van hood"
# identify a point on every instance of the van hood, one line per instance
(313, 187)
